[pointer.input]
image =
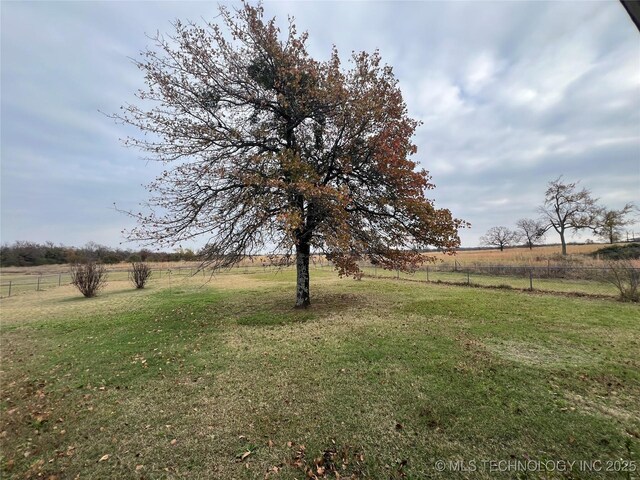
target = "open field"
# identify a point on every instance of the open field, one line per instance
(542, 255)
(542, 285)
(28, 284)
(539, 255)
(378, 379)
(543, 259)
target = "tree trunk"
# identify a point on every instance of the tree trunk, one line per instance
(302, 266)
(564, 243)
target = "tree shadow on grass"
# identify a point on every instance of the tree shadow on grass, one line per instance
(278, 310)
(267, 318)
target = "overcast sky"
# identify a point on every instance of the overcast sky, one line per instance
(512, 95)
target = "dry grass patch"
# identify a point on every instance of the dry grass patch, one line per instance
(522, 255)
(613, 407)
(539, 355)
(65, 302)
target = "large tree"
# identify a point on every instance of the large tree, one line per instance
(568, 208)
(269, 148)
(610, 223)
(500, 237)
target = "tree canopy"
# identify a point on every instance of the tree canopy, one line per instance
(531, 230)
(268, 148)
(610, 223)
(566, 208)
(500, 237)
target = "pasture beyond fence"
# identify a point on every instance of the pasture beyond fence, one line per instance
(558, 278)
(40, 282)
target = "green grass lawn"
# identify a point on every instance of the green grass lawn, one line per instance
(378, 379)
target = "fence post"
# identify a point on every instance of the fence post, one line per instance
(38, 287)
(427, 273)
(59, 279)
(468, 278)
(531, 279)
(9, 287)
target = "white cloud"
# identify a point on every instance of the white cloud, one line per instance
(435, 99)
(512, 95)
(481, 72)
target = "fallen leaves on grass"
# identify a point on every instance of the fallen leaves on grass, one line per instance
(335, 462)
(246, 451)
(275, 470)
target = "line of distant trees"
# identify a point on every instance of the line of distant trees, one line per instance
(566, 208)
(27, 254)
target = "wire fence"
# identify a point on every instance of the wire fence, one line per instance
(17, 284)
(559, 278)
(584, 280)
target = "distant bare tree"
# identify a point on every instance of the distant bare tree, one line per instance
(566, 208)
(89, 278)
(610, 223)
(139, 274)
(531, 230)
(500, 237)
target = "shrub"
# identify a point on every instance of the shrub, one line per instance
(625, 277)
(139, 274)
(619, 252)
(89, 278)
